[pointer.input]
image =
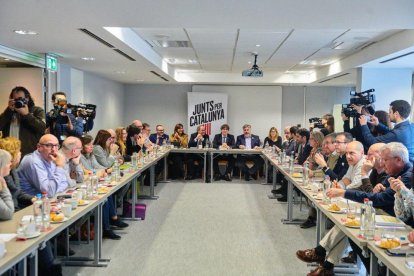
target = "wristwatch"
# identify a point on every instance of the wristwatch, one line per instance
(324, 169)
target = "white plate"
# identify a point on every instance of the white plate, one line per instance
(57, 222)
(356, 227)
(342, 211)
(85, 202)
(377, 243)
(34, 235)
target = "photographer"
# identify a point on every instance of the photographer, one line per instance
(403, 131)
(60, 121)
(23, 120)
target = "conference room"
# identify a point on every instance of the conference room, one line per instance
(207, 97)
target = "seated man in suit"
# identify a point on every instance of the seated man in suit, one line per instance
(199, 138)
(248, 141)
(224, 140)
(159, 137)
(304, 149)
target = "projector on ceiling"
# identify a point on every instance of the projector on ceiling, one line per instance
(254, 71)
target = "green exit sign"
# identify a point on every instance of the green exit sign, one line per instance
(51, 63)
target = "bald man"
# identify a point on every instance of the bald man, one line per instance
(373, 170)
(137, 123)
(71, 149)
(355, 158)
(43, 170)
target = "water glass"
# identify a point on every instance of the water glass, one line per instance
(409, 260)
(351, 212)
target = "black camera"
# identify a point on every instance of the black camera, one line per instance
(317, 122)
(20, 102)
(349, 111)
(362, 98)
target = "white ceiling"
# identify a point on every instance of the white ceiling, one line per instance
(300, 41)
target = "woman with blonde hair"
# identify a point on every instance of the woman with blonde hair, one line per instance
(273, 139)
(121, 137)
(20, 199)
(315, 141)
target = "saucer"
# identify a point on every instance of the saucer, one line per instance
(34, 235)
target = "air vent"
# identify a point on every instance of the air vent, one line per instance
(365, 45)
(169, 43)
(158, 75)
(397, 57)
(124, 54)
(339, 76)
(324, 80)
(94, 36)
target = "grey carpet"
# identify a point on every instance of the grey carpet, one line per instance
(207, 229)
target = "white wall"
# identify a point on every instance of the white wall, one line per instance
(30, 78)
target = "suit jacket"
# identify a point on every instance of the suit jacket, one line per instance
(242, 141)
(217, 141)
(304, 154)
(153, 138)
(192, 143)
(402, 132)
(340, 169)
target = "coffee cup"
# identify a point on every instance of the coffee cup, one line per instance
(66, 210)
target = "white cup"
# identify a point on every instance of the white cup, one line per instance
(2, 248)
(29, 229)
(67, 210)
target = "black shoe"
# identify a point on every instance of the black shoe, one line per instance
(247, 177)
(109, 234)
(277, 191)
(217, 177)
(282, 199)
(189, 177)
(118, 223)
(208, 180)
(350, 259)
(310, 222)
(227, 177)
(55, 270)
(254, 176)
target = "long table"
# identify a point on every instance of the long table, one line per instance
(395, 265)
(21, 252)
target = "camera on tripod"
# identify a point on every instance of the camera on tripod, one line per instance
(317, 122)
(364, 98)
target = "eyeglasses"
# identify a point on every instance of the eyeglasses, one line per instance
(49, 146)
(339, 142)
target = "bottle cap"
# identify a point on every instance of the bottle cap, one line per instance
(366, 200)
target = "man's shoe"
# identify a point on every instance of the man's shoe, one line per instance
(350, 259)
(118, 223)
(109, 234)
(227, 177)
(309, 256)
(282, 199)
(308, 223)
(247, 177)
(217, 177)
(254, 176)
(277, 191)
(321, 271)
(189, 177)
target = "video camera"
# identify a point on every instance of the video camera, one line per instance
(364, 98)
(317, 122)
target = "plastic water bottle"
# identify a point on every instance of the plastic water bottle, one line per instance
(134, 161)
(362, 217)
(207, 143)
(305, 174)
(282, 156)
(45, 212)
(164, 144)
(199, 144)
(94, 183)
(369, 222)
(37, 212)
(292, 161)
(116, 171)
(326, 186)
(266, 146)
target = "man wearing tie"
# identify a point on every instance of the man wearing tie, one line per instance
(224, 140)
(159, 137)
(199, 138)
(248, 141)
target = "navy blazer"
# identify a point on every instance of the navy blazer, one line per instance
(153, 138)
(242, 141)
(303, 155)
(217, 141)
(192, 143)
(402, 132)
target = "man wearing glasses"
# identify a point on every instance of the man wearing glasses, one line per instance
(43, 170)
(159, 137)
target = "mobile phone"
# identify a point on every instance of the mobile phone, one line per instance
(397, 252)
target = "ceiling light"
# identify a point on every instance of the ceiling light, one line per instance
(258, 45)
(25, 32)
(120, 72)
(192, 61)
(88, 58)
(249, 62)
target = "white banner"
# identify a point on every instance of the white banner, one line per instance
(208, 109)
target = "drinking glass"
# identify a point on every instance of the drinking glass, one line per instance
(409, 260)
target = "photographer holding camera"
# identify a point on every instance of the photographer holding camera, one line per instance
(60, 121)
(23, 120)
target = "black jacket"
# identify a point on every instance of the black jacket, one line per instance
(217, 141)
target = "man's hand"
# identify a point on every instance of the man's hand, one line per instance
(334, 192)
(335, 184)
(23, 110)
(396, 184)
(58, 159)
(344, 118)
(257, 148)
(242, 146)
(318, 158)
(367, 167)
(362, 120)
(76, 160)
(410, 236)
(11, 104)
(374, 120)
(378, 188)
(199, 136)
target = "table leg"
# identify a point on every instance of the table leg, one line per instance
(165, 180)
(266, 166)
(289, 219)
(152, 195)
(133, 198)
(205, 166)
(373, 263)
(211, 167)
(32, 260)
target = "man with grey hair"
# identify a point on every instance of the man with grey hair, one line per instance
(71, 149)
(248, 141)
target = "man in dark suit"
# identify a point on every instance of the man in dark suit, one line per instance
(304, 149)
(248, 141)
(197, 139)
(402, 132)
(224, 140)
(159, 137)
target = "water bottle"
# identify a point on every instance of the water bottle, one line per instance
(116, 171)
(207, 143)
(305, 174)
(45, 212)
(94, 183)
(282, 156)
(266, 146)
(199, 144)
(134, 161)
(164, 144)
(362, 217)
(369, 222)
(292, 161)
(37, 212)
(326, 186)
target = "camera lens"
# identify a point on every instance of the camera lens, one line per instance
(19, 104)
